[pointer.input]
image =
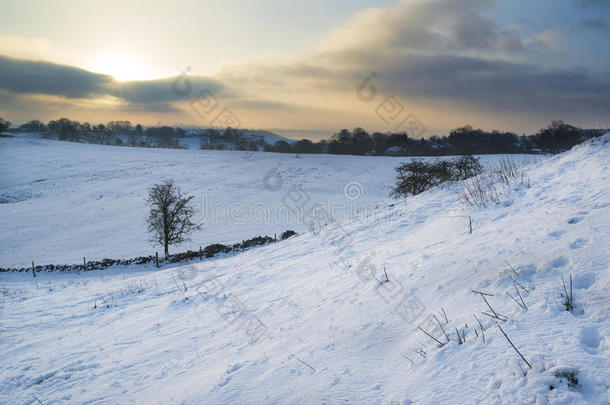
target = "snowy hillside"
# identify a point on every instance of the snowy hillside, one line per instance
(312, 319)
(62, 201)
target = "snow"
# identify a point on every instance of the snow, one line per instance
(80, 200)
(306, 320)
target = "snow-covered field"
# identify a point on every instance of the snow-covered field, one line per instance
(66, 200)
(309, 319)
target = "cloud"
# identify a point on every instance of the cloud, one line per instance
(442, 50)
(475, 32)
(25, 76)
(163, 90)
(258, 104)
(39, 77)
(435, 55)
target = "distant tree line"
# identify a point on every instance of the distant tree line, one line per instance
(230, 138)
(121, 133)
(555, 138)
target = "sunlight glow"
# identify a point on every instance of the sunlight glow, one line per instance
(121, 65)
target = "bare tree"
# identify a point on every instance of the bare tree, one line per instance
(171, 214)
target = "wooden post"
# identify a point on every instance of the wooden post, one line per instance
(275, 237)
(470, 224)
(33, 269)
(571, 296)
(157, 259)
(85, 262)
(200, 253)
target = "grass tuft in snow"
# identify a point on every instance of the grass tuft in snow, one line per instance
(567, 297)
(491, 187)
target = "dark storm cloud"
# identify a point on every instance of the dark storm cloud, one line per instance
(166, 89)
(500, 85)
(24, 76)
(39, 77)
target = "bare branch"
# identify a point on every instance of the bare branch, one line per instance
(511, 343)
(437, 341)
(516, 282)
(439, 324)
(482, 293)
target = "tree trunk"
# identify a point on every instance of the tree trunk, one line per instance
(166, 248)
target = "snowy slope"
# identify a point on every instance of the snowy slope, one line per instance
(329, 332)
(69, 200)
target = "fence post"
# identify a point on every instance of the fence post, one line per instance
(33, 270)
(200, 253)
(85, 262)
(470, 224)
(157, 259)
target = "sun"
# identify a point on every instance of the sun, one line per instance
(123, 66)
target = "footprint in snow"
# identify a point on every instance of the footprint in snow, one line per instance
(574, 220)
(234, 368)
(584, 281)
(578, 243)
(228, 374)
(590, 338)
(559, 262)
(224, 381)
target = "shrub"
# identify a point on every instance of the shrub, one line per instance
(466, 167)
(215, 248)
(257, 240)
(418, 176)
(287, 234)
(178, 257)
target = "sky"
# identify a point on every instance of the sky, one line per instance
(311, 67)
